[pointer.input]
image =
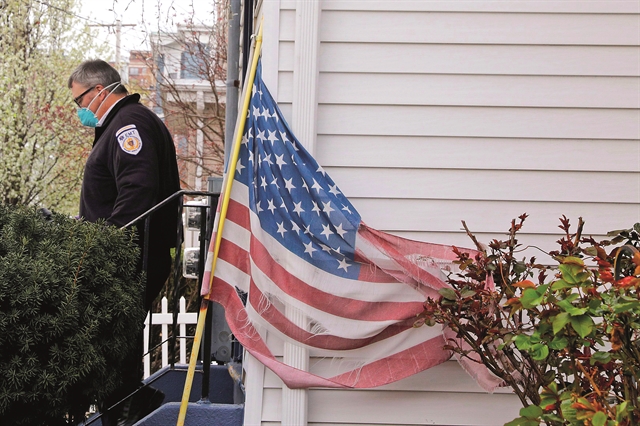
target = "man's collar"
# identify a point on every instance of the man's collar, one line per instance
(106, 114)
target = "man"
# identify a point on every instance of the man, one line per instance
(131, 168)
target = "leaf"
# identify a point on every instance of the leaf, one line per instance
(570, 272)
(599, 419)
(519, 267)
(560, 284)
(559, 343)
(547, 402)
(621, 411)
(582, 324)
(448, 293)
(523, 342)
(539, 352)
(531, 412)
(525, 284)
(625, 306)
(530, 298)
(616, 232)
(602, 357)
(572, 260)
(591, 251)
(570, 309)
(467, 293)
(560, 321)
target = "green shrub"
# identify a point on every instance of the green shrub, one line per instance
(565, 337)
(70, 310)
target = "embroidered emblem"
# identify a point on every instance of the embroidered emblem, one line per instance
(129, 139)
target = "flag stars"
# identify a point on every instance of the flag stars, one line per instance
(295, 228)
(259, 207)
(255, 90)
(308, 248)
(271, 206)
(326, 231)
(327, 208)
(263, 182)
(261, 136)
(239, 167)
(272, 137)
(325, 248)
(321, 170)
(284, 138)
(288, 183)
(280, 161)
(316, 186)
(275, 182)
(342, 264)
(281, 229)
(340, 231)
(315, 208)
(334, 189)
(267, 159)
(297, 208)
(346, 209)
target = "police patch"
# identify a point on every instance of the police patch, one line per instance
(129, 139)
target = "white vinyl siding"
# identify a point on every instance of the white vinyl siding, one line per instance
(434, 112)
(452, 107)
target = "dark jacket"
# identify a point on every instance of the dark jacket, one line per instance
(131, 168)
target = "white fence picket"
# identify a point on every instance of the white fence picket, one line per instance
(164, 318)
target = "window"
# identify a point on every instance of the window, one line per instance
(192, 63)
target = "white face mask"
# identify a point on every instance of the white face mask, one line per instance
(88, 117)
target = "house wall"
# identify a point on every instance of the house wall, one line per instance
(433, 112)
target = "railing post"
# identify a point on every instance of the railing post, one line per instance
(145, 347)
(165, 333)
(183, 332)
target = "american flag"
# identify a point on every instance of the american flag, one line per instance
(298, 248)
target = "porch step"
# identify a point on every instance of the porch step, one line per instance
(223, 389)
(225, 405)
(198, 414)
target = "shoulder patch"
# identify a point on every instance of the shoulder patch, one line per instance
(129, 139)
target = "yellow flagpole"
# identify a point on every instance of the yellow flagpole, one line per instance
(221, 218)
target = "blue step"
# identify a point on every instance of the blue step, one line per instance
(222, 388)
(198, 414)
(225, 405)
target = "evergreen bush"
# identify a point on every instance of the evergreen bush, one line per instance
(70, 310)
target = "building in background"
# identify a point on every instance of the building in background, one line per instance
(141, 78)
(188, 70)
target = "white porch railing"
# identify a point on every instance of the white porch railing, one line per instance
(165, 319)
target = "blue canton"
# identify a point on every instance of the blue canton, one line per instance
(296, 201)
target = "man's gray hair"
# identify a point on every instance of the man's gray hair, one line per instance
(96, 71)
